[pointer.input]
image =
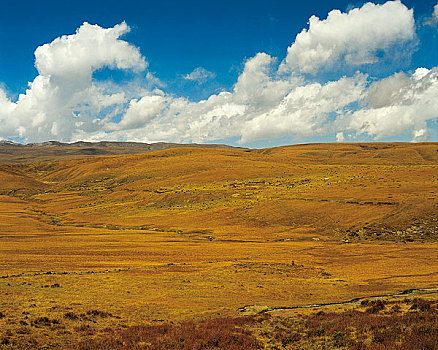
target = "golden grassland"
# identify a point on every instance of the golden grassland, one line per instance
(93, 245)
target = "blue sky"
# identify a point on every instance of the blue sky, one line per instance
(174, 38)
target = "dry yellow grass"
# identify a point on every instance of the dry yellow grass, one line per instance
(195, 233)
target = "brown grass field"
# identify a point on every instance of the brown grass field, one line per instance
(198, 248)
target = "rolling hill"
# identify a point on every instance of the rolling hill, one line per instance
(193, 233)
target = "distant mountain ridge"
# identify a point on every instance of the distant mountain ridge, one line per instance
(50, 150)
(154, 145)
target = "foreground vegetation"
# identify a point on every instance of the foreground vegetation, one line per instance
(408, 325)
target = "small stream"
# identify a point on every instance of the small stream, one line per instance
(254, 309)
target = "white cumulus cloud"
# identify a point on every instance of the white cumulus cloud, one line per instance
(353, 38)
(340, 137)
(63, 97)
(200, 75)
(220, 116)
(64, 102)
(381, 93)
(91, 48)
(406, 103)
(306, 109)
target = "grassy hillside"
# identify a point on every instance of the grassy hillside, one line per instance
(95, 244)
(11, 152)
(372, 191)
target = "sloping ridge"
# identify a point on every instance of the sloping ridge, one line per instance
(11, 152)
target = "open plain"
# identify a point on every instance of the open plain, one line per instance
(92, 244)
